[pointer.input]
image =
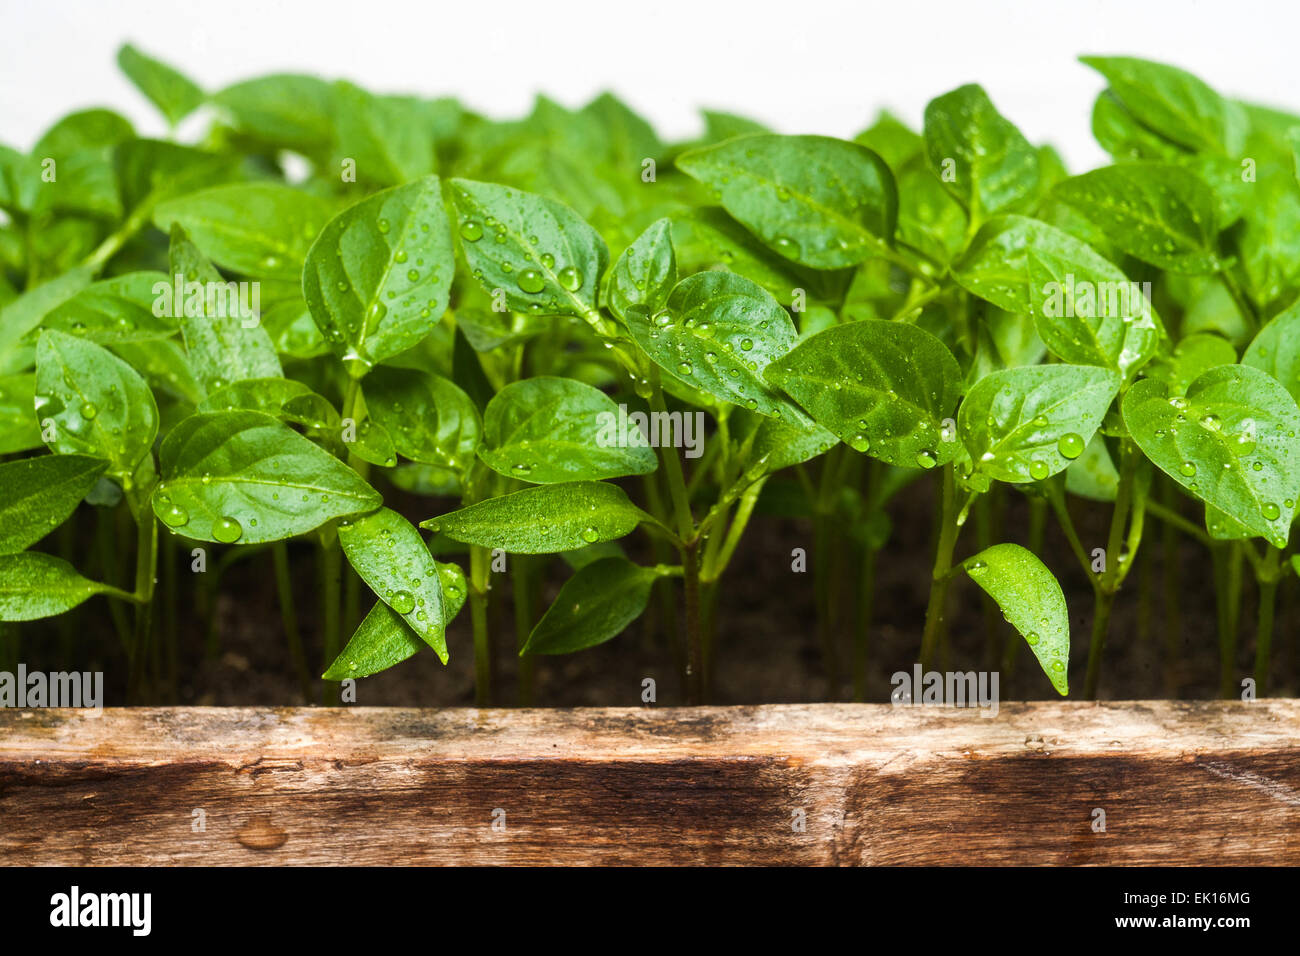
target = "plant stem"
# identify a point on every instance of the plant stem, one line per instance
(1268, 577)
(1116, 567)
(694, 645)
(522, 587)
(479, 570)
(935, 611)
(331, 558)
(146, 567)
(289, 615)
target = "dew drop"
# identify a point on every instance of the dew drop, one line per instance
(471, 231)
(227, 530)
(1187, 469)
(403, 602)
(590, 535)
(530, 281)
(570, 278)
(1070, 445)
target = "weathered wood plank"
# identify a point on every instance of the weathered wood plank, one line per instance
(1215, 783)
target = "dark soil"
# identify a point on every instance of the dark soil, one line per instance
(1163, 636)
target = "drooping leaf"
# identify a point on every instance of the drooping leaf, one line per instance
(822, 202)
(884, 388)
(1230, 441)
(378, 277)
(1033, 602)
(97, 404)
(40, 493)
(545, 519)
(391, 557)
(593, 606)
(35, 585)
(244, 477)
(547, 430)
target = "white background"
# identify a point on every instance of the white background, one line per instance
(820, 66)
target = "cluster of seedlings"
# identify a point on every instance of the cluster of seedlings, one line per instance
(583, 332)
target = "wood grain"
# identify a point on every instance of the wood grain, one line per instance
(1180, 783)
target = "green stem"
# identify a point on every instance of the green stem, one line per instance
(936, 607)
(1268, 583)
(289, 615)
(673, 469)
(694, 645)
(146, 568)
(479, 569)
(522, 587)
(1116, 566)
(331, 559)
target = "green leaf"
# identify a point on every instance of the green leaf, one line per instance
(387, 137)
(709, 239)
(120, 309)
(885, 388)
(391, 557)
(1194, 355)
(645, 273)
(1276, 349)
(26, 312)
(547, 430)
(1172, 102)
(545, 519)
(385, 639)
(1121, 134)
(378, 277)
(1160, 213)
(281, 398)
(1032, 600)
(175, 95)
(1084, 308)
(98, 404)
(1027, 424)
(288, 110)
(541, 253)
(244, 477)
(596, 604)
(40, 493)
(717, 333)
(428, 417)
(1231, 442)
(258, 229)
(19, 430)
(775, 444)
(218, 320)
(978, 154)
(822, 202)
(1093, 474)
(35, 585)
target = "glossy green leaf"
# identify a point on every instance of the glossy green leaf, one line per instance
(40, 493)
(429, 418)
(96, 404)
(822, 202)
(885, 388)
(1093, 474)
(978, 154)
(25, 313)
(1276, 349)
(391, 557)
(244, 477)
(1160, 213)
(1195, 354)
(1033, 602)
(120, 309)
(1173, 102)
(288, 110)
(219, 320)
(386, 137)
(596, 604)
(645, 273)
(378, 277)
(384, 639)
(717, 333)
(258, 229)
(175, 95)
(539, 252)
(1084, 308)
(545, 519)
(547, 430)
(35, 585)
(1027, 424)
(1230, 441)
(19, 430)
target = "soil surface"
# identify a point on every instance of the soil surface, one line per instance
(1163, 637)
